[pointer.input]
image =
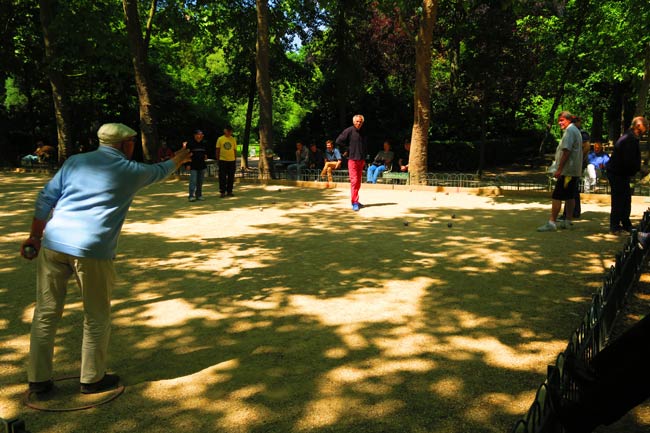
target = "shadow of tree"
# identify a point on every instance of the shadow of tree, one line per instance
(274, 311)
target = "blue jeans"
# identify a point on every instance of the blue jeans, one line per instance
(196, 183)
(294, 170)
(374, 171)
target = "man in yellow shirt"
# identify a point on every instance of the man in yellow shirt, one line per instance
(226, 156)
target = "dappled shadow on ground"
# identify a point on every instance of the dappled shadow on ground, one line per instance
(280, 310)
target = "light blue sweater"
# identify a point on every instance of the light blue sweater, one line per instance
(89, 198)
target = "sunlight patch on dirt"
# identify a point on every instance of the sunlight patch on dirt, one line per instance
(376, 377)
(449, 387)
(236, 409)
(187, 226)
(482, 409)
(390, 302)
(168, 313)
(523, 357)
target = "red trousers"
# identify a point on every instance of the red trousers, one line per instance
(355, 169)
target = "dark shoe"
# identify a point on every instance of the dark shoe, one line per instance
(41, 387)
(222, 195)
(230, 194)
(109, 381)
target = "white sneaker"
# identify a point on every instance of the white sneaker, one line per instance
(548, 227)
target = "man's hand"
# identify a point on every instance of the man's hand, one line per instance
(182, 156)
(563, 159)
(34, 239)
(28, 243)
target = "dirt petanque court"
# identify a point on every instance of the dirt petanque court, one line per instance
(280, 310)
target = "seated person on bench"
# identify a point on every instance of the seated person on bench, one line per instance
(382, 162)
(332, 160)
(596, 161)
(404, 159)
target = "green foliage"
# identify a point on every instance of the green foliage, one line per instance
(14, 99)
(497, 66)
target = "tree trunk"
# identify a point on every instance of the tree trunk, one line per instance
(645, 84)
(341, 66)
(615, 112)
(422, 96)
(249, 118)
(264, 88)
(62, 111)
(597, 125)
(148, 129)
(482, 144)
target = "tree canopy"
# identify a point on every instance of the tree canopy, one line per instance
(499, 69)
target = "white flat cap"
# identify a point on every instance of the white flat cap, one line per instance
(114, 133)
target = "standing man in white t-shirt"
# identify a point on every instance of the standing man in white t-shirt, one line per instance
(567, 169)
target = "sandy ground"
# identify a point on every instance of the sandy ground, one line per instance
(282, 310)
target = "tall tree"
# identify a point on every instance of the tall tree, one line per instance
(422, 96)
(62, 110)
(645, 84)
(575, 24)
(249, 117)
(139, 46)
(342, 47)
(264, 88)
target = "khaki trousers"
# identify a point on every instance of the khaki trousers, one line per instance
(96, 278)
(329, 166)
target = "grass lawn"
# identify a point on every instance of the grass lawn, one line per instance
(280, 310)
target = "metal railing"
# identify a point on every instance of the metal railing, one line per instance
(591, 335)
(452, 180)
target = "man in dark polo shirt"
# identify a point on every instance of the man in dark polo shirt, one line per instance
(353, 141)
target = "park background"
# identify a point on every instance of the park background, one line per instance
(496, 73)
(492, 75)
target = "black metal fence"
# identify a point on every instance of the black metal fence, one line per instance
(591, 335)
(452, 180)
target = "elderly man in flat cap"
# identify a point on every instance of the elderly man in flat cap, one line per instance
(77, 222)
